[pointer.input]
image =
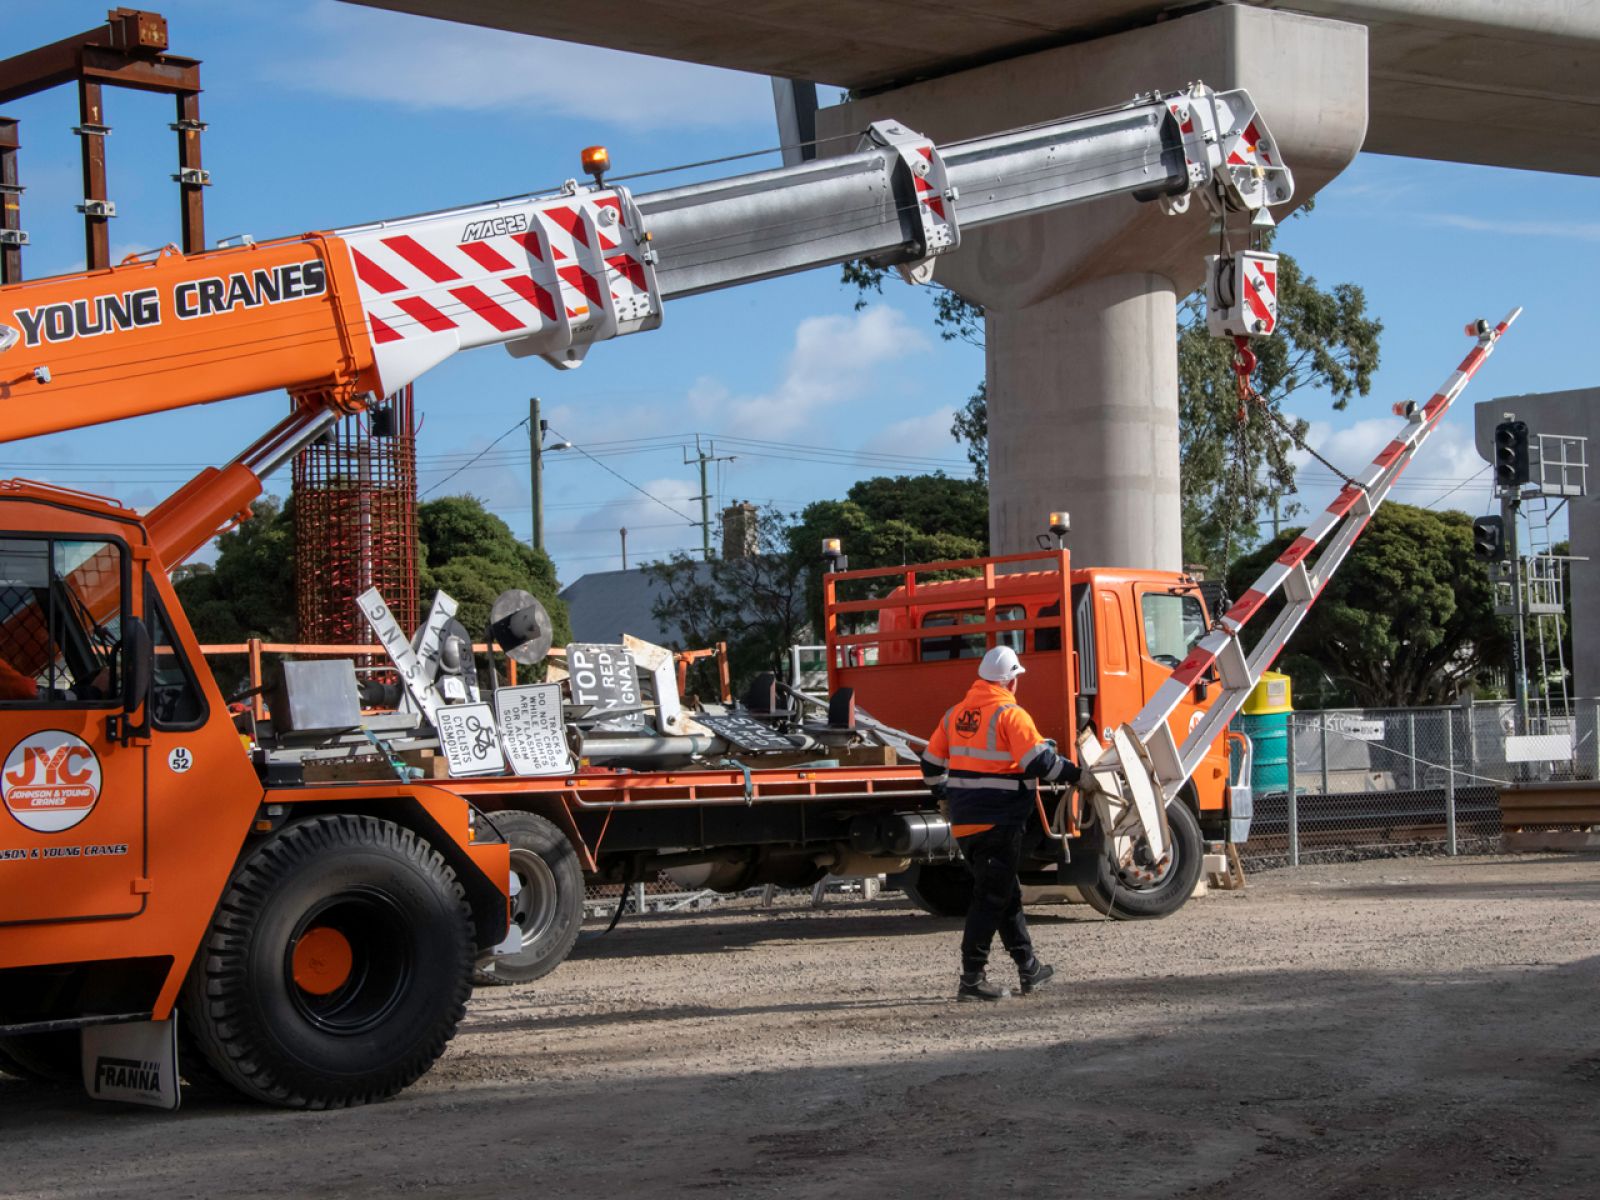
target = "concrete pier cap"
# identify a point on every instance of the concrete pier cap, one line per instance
(1081, 303)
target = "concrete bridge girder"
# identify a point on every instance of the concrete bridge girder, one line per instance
(1081, 303)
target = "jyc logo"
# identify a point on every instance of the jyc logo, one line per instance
(50, 781)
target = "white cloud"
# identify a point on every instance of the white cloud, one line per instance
(592, 542)
(927, 436)
(420, 63)
(836, 359)
(1583, 231)
(1446, 470)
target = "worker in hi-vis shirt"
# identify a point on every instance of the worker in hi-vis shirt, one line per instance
(984, 760)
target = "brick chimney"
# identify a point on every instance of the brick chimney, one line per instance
(740, 538)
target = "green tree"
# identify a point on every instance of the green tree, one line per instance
(893, 521)
(1408, 618)
(464, 549)
(472, 555)
(250, 591)
(1326, 340)
(756, 604)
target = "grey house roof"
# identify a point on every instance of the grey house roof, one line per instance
(604, 605)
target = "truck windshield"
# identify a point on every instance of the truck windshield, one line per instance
(60, 621)
(1172, 625)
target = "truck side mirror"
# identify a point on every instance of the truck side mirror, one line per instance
(138, 668)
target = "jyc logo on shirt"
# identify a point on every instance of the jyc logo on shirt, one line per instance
(967, 722)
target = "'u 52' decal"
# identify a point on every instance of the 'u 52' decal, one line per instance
(140, 308)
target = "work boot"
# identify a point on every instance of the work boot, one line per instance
(1035, 976)
(978, 987)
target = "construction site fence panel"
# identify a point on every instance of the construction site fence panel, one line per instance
(1404, 780)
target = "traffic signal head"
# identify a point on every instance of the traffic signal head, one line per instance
(1511, 454)
(1489, 539)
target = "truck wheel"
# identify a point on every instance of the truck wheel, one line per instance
(943, 889)
(54, 1058)
(1112, 896)
(549, 908)
(336, 967)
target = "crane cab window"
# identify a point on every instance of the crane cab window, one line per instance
(61, 621)
(176, 701)
(1173, 623)
(969, 645)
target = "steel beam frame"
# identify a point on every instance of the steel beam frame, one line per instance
(127, 51)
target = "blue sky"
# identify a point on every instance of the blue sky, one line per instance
(324, 114)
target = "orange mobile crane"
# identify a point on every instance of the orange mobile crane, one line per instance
(318, 940)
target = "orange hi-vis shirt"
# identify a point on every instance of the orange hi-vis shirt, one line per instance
(984, 753)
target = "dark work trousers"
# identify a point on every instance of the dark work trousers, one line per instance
(992, 856)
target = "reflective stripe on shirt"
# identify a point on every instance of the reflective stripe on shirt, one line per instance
(991, 783)
(981, 754)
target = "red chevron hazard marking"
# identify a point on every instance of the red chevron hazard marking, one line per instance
(425, 314)
(586, 283)
(423, 259)
(570, 220)
(540, 298)
(381, 333)
(630, 269)
(374, 276)
(530, 243)
(501, 318)
(486, 256)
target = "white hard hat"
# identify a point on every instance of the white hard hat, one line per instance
(1000, 665)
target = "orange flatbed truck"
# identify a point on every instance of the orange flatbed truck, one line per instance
(318, 940)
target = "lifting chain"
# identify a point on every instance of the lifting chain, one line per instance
(1244, 365)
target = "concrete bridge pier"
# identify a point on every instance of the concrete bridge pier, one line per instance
(1081, 303)
(1083, 415)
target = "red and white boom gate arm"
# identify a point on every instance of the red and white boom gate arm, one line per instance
(1146, 768)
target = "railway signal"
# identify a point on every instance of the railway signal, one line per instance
(1489, 539)
(1511, 458)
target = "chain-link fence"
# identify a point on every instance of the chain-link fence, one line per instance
(1368, 780)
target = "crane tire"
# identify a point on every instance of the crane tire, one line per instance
(941, 889)
(336, 967)
(1113, 897)
(549, 905)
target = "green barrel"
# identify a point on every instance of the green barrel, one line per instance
(1269, 734)
(1264, 719)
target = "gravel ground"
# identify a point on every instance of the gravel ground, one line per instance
(1411, 1028)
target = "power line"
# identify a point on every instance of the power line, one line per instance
(573, 445)
(522, 424)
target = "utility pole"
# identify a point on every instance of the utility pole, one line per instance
(705, 456)
(624, 532)
(536, 469)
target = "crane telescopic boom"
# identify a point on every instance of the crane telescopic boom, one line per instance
(340, 318)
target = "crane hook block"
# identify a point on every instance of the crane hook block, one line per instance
(1242, 294)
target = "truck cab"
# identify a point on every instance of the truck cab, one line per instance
(1096, 642)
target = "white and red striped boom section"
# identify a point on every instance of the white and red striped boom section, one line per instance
(1168, 764)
